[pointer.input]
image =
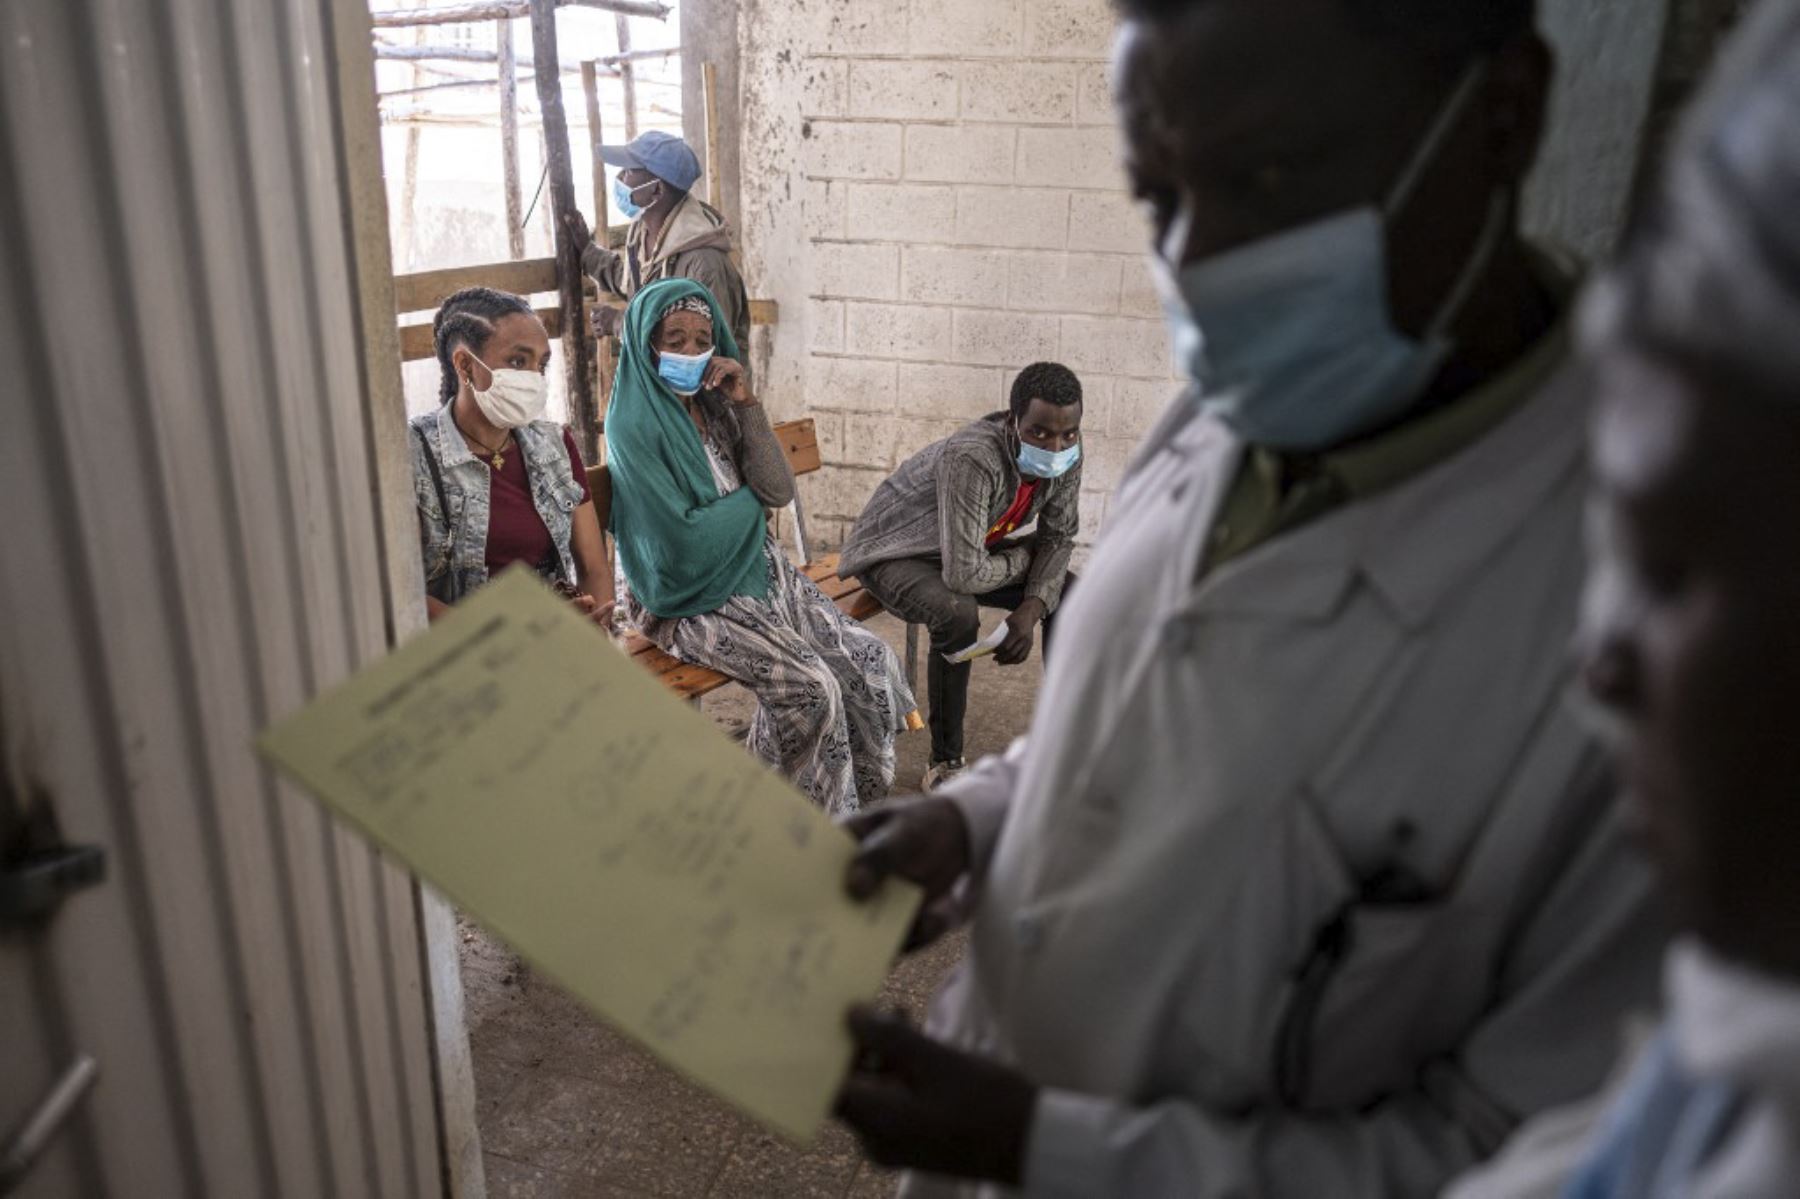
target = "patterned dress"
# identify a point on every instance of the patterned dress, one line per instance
(830, 694)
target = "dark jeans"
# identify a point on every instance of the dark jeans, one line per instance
(913, 589)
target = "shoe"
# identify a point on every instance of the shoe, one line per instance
(942, 772)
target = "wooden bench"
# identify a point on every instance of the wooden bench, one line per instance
(800, 441)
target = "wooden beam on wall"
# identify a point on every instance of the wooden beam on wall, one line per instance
(416, 341)
(427, 289)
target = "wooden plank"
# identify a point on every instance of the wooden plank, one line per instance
(860, 606)
(417, 341)
(427, 289)
(657, 662)
(800, 442)
(694, 681)
(578, 347)
(836, 588)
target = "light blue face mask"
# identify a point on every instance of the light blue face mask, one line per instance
(1290, 337)
(682, 372)
(625, 198)
(1043, 464)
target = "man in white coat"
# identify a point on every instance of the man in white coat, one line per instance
(1692, 644)
(1304, 882)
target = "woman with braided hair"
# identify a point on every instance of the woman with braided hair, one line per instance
(695, 467)
(496, 483)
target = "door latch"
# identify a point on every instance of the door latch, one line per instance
(35, 885)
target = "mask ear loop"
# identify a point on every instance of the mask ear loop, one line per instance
(470, 377)
(1499, 204)
(1422, 158)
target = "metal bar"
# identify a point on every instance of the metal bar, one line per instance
(494, 10)
(35, 1135)
(578, 349)
(509, 138)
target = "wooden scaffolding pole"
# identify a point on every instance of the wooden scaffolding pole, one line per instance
(627, 76)
(409, 178)
(606, 349)
(715, 188)
(590, 90)
(578, 354)
(494, 10)
(509, 138)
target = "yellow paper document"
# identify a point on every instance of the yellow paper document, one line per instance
(560, 794)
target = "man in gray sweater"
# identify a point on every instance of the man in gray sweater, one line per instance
(673, 233)
(938, 541)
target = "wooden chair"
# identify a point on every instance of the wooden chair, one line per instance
(800, 441)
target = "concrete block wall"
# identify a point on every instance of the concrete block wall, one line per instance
(930, 189)
(950, 208)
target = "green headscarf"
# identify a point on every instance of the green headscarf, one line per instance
(685, 549)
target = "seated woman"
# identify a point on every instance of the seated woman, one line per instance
(496, 484)
(694, 467)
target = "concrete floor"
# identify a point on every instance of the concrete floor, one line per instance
(569, 1109)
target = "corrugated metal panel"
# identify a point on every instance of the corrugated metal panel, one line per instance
(189, 473)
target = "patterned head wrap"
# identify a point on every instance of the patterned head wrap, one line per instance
(687, 304)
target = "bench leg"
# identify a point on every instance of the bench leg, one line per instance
(912, 659)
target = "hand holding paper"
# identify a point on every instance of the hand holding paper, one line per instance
(982, 648)
(567, 800)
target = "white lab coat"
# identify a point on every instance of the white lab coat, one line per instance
(1217, 769)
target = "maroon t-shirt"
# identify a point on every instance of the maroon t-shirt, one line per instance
(516, 532)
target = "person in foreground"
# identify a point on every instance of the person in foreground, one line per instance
(1692, 643)
(695, 466)
(1305, 882)
(935, 543)
(496, 483)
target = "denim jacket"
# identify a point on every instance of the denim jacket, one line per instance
(455, 546)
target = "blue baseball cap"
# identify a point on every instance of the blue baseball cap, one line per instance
(662, 154)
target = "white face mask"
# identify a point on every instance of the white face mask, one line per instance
(513, 398)
(1290, 336)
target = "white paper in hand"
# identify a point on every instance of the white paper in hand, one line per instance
(982, 648)
(579, 809)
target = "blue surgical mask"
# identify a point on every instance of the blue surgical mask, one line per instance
(1043, 464)
(625, 198)
(682, 372)
(1290, 337)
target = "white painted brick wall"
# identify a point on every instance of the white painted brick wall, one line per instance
(953, 210)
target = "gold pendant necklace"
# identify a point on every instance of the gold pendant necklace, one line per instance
(496, 456)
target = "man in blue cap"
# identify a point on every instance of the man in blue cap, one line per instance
(673, 234)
